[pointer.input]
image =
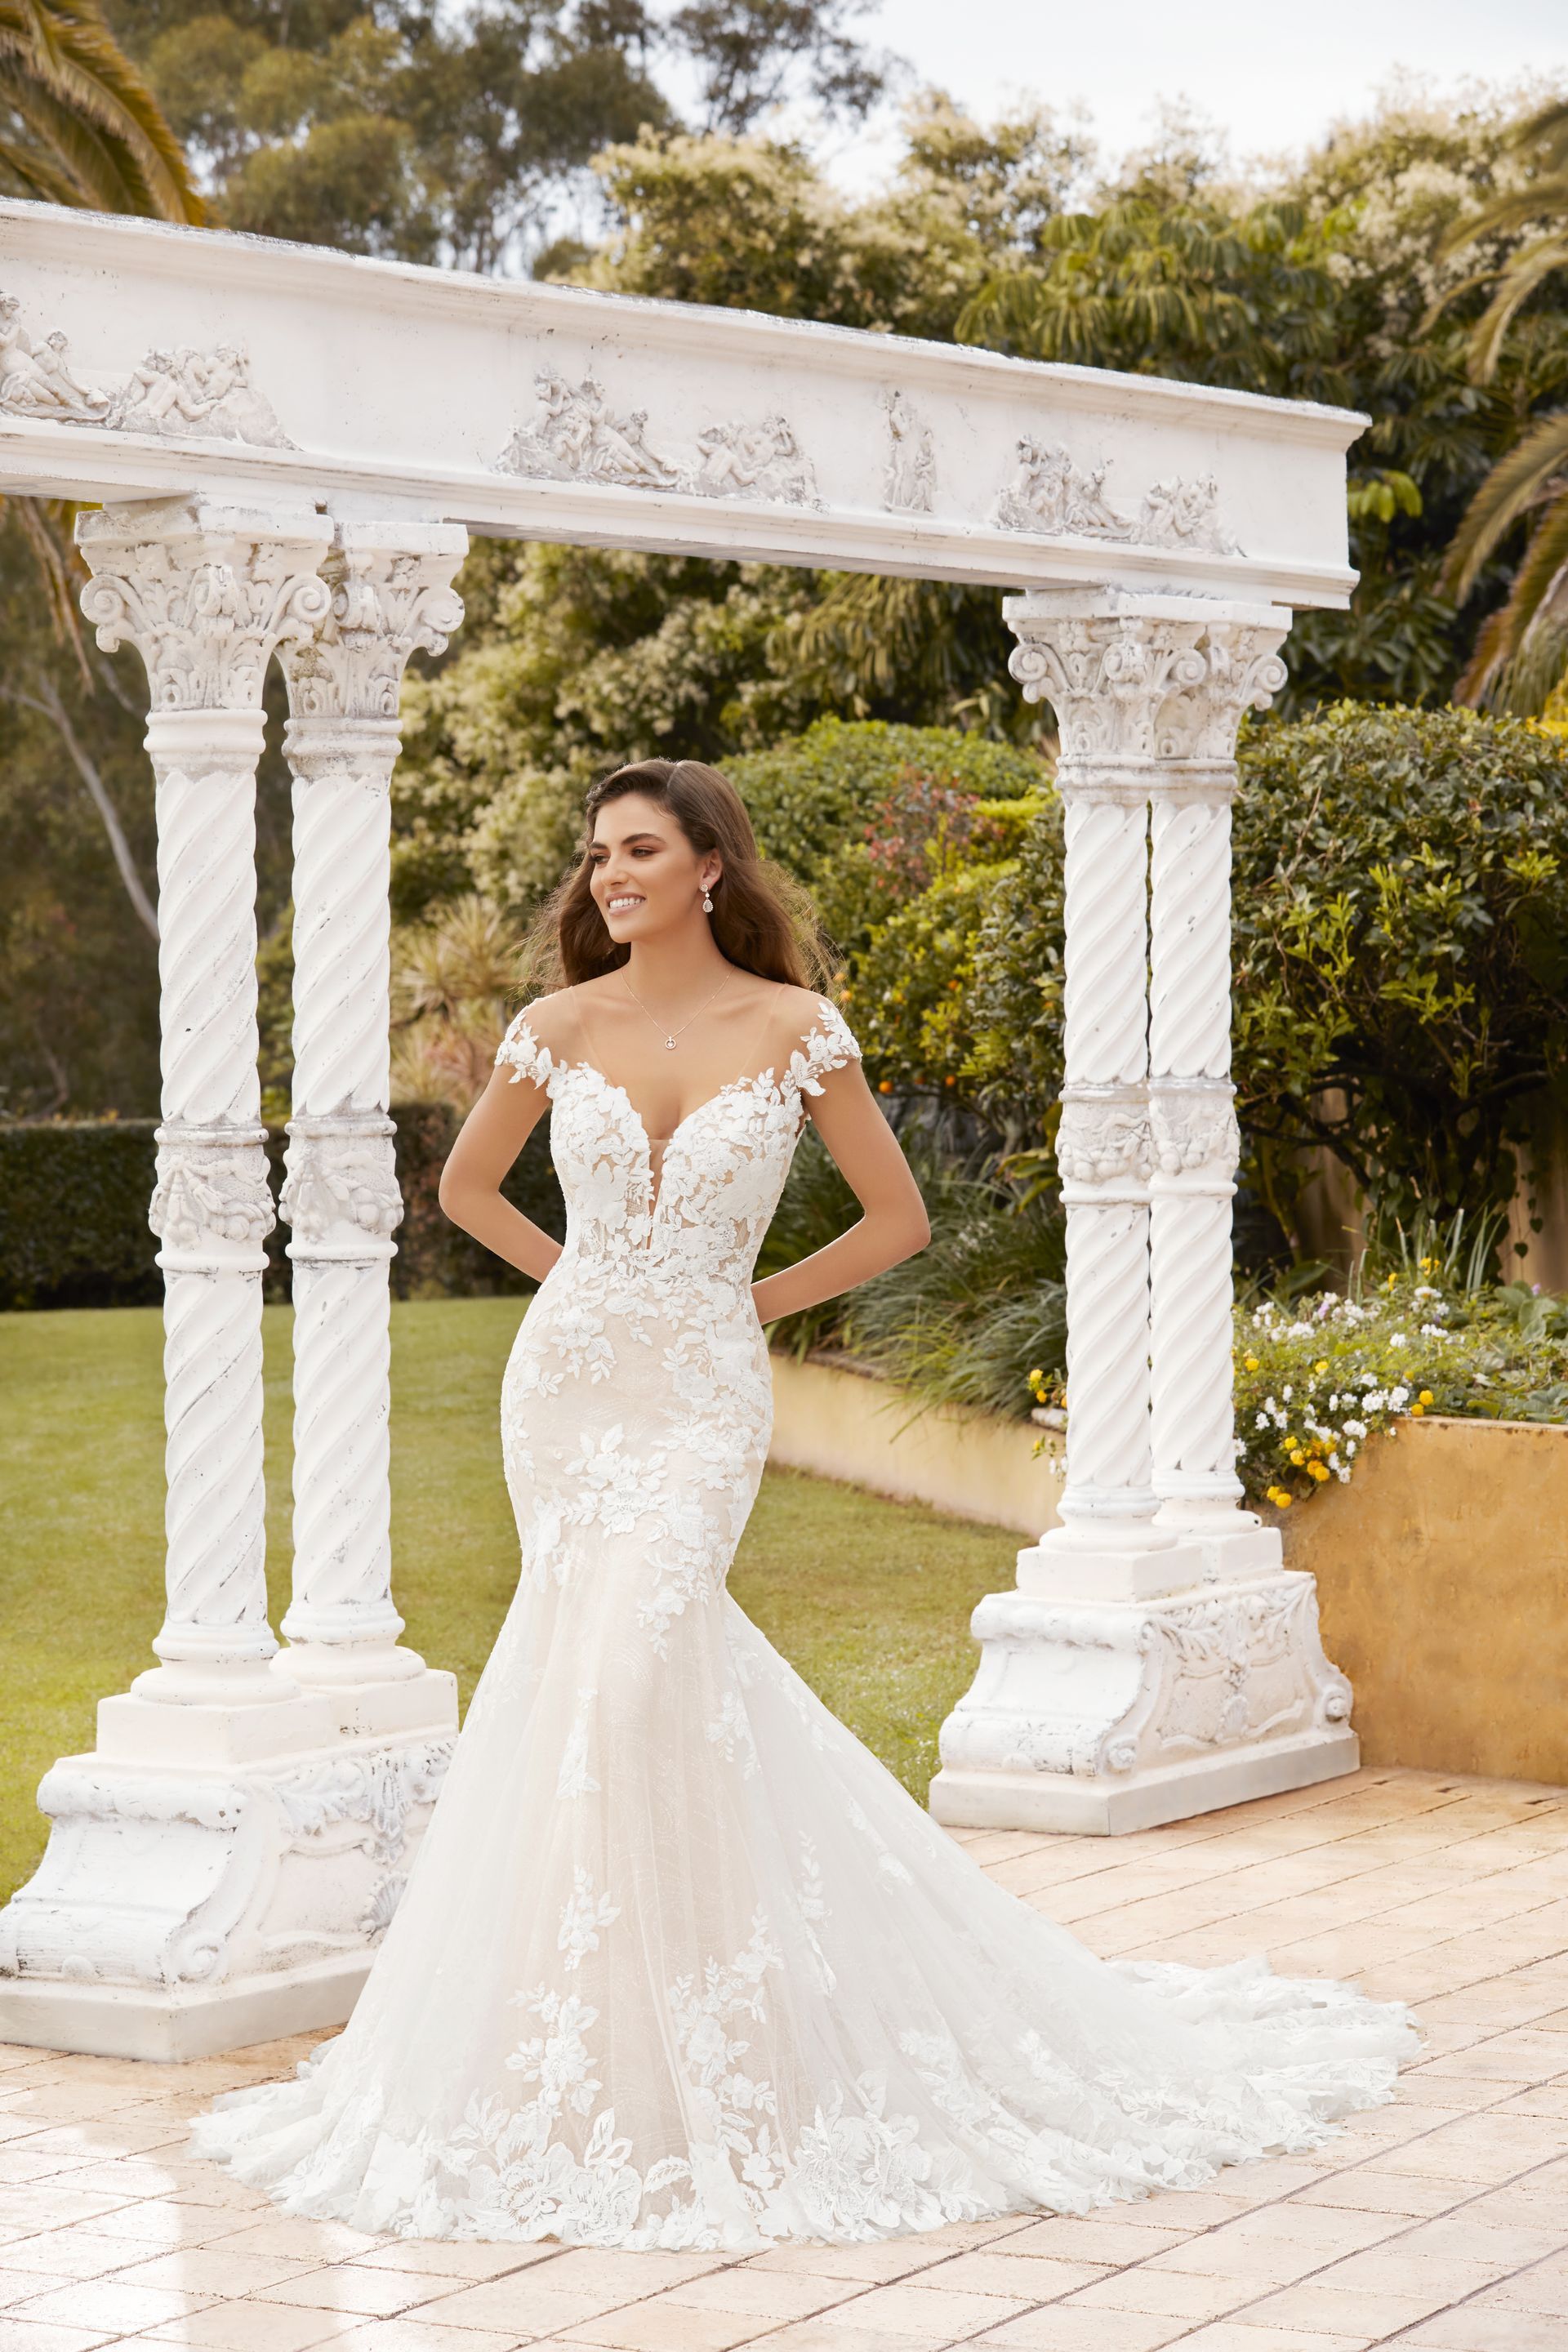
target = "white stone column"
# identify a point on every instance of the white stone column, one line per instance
(391, 594)
(1155, 1659)
(205, 593)
(1194, 1135)
(1107, 675)
(219, 1870)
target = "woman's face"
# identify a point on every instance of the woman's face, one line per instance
(643, 872)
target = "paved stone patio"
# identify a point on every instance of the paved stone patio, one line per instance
(1440, 2221)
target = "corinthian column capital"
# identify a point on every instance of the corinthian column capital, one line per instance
(391, 595)
(1142, 684)
(204, 591)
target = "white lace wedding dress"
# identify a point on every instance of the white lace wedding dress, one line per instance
(679, 1964)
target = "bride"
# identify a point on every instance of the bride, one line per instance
(679, 1964)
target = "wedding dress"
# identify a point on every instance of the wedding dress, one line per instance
(678, 1963)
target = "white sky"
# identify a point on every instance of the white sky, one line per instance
(1273, 74)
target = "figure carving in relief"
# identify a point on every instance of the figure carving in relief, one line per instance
(579, 440)
(754, 461)
(204, 395)
(1051, 493)
(908, 480)
(1180, 514)
(38, 382)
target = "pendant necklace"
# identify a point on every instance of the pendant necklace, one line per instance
(671, 1035)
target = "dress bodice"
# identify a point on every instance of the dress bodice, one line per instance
(718, 1182)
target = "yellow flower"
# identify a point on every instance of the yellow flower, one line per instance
(1318, 1470)
(1322, 1365)
(1417, 1410)
(1250, 1362)
(1425, 1396)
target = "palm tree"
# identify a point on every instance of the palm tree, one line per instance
(1521, 651)
(78, 125)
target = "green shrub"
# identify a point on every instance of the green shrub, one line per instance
(1401, 922)
(813, 794)
(73, 1213)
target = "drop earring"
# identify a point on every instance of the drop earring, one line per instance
(708, 902)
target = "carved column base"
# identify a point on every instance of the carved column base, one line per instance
(1102, 1717)
(177, 1914)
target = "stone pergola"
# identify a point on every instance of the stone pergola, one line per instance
(286, 450)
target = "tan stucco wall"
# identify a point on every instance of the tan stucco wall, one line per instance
(843, 1426)
(1442, 1577)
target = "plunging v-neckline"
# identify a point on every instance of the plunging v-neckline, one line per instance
(613, 1087)
(655, 1177)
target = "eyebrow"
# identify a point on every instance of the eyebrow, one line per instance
(597, 843)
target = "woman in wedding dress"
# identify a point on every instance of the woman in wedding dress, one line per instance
(678, 1963)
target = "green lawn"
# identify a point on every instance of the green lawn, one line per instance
(870, 1599)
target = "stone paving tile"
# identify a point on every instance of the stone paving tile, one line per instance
(1062, 2329)
(1439, 2221)
(242, 2326)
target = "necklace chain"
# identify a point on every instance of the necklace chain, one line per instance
(671, 1035)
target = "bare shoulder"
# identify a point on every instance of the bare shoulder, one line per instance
(550, 1019)
(800, 1011)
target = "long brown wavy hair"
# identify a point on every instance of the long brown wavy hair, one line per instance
(763, 919)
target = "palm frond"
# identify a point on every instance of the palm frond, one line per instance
(1515, 484)
(98, 125)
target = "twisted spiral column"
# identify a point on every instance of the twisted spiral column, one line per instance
(1195, 1143)
(1108, 667)
(206, 593)
(391, 593)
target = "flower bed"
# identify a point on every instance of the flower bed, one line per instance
(1315, 1381)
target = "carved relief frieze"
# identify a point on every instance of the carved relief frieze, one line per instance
(1052, 497)
(908, 476)
(209, 1193)
(754, 461)
(333, 1180)
(377, 1791)
(579, 437)
(1193, 1131)
(179, 395)
(1103, 1143)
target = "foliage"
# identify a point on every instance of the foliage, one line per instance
(953, 1324)
(1402, 947)
(407, 129)
(1188, 288)
(1522, 655)
(1316, 1379)
(754, 223)
(78, 124)
(100, 1253)
(1401, 914)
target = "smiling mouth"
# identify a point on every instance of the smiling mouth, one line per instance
(621, 905)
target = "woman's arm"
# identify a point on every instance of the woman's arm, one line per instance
(895, 1224)
(488, 1142)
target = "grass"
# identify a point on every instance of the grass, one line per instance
(869, 1600)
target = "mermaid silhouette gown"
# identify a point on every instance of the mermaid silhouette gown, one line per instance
(679, 1964)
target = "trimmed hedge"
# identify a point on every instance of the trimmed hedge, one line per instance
(73, 1213)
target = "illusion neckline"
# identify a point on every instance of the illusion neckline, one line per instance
(752, 1079)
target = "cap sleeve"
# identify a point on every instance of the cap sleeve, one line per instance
(528, 1057)
(829, 1045)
